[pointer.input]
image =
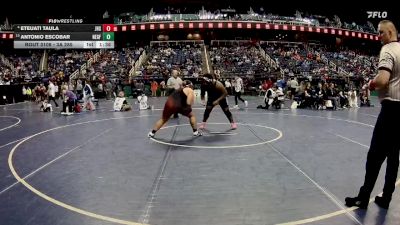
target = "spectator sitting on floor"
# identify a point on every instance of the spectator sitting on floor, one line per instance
(142, 99)
(46, 106)
(120, 103)
(269, 98)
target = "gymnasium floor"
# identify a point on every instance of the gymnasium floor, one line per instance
(279, 167)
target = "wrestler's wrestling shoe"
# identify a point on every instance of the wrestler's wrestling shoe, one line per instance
(197, 133)
(150, 134)
(202, 125)
(233, 126)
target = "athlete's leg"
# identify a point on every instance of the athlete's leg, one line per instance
(169, 109)
(224, 106)
(209, 108)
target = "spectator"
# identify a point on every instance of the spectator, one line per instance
(154, 88)
(120, 103)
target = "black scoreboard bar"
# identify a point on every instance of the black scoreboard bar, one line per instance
(46, 36)
(40, 28)
(59, 36)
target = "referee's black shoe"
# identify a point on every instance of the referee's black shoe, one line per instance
(382, 202)
(357, 201)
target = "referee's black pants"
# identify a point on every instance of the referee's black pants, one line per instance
(385, 143)
(54, 100)
(238, 96)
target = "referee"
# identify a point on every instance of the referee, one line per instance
(385, 142)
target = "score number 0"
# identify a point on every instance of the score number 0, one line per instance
(108, 27)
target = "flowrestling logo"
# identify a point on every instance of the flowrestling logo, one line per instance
(377, 14)
(64, 21)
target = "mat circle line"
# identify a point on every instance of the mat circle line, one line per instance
(119, 221)
(13, 125)
(55, 201)
(220, 147)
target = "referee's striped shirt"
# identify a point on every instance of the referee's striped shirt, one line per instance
(389, 60)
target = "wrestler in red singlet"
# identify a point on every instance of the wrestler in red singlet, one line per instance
(180, 101)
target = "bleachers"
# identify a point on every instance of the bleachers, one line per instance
(238, 60)
(354, 63)
(63, 63)
(185, 56)
(116, 64)
(296, 58)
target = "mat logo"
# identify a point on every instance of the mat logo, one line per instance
(377, 14)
